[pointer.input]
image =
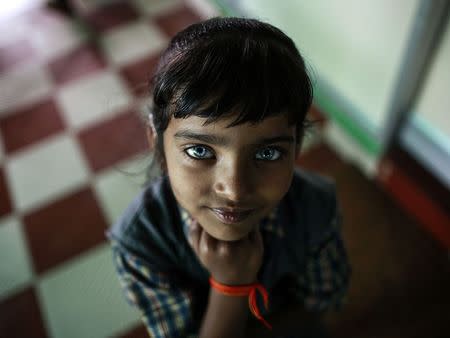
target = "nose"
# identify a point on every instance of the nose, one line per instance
(233, 182)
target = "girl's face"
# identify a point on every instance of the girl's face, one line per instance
(228, 179)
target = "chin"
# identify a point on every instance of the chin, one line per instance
(228, 234)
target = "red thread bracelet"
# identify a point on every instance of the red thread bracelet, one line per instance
(245, 290)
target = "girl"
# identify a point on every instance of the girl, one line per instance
(231, 221)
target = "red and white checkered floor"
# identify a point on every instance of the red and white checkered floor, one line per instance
(72, 156)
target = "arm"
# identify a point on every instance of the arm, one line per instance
(230, 263)
(225, 316)
(164, 307)
(321, 286)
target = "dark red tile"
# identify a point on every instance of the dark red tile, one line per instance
(111, 15)
(20, 316)
(5, 199)
(320, 158)
(174, 21)
(82, 61)
(138, 74)
(317, 117)
(15, 53)
(30, 125)
(64, 229)
(113, 140)
(137, 332)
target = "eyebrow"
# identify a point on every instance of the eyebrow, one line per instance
(222, 141)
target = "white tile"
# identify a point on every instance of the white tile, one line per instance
(8, 35)
(204, 8)
(23, 85)
(56, 38)
(83, 298)
(15, 267)
(45, 171)
(131, 42)
(118, 186)
(92, 98)
(156, 7)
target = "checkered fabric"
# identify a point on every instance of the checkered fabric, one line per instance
(167, 309)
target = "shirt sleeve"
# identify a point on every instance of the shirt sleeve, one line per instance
(165, 308)
(324, 283)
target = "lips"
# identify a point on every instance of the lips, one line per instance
(231, 216)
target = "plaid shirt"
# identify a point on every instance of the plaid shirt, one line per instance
(167, 308)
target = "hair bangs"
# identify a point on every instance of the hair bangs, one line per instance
(233, 78)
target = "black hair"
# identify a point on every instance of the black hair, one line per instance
(230, 67)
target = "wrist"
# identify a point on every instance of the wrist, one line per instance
(248, 290)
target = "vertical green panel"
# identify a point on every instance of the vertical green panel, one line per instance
(368, 143)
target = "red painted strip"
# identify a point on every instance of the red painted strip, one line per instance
(414, 199)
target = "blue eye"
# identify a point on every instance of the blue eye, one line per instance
(269, 154)
(199, 152)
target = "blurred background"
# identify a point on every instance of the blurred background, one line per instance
(73, 78)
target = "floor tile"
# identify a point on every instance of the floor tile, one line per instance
(54, 36)
(138, 74)
(84, 299)
(23, 85)
(138, 331)
(317, 117)
(174, 21)
(157, 7)
(9, 36)
(81, 61)
(320, 158)
(93, 98)
(111, 15)
(118, 186)
(21, 317)
(132, 42)
(14, 54)
(30, 125)
(64, 229)
(45, 171)
(113, 141)
(5, 195)
(15, 267)
(2, 151)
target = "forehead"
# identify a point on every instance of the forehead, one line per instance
(270, 127)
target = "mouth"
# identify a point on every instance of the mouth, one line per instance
(232, 216)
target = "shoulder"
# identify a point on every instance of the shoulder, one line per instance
(150, 226)
(312, 203)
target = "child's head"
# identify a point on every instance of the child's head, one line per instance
(241, 80)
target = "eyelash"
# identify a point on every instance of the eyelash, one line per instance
(282, 153)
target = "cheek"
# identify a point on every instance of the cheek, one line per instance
(186, 184)
(276, 184)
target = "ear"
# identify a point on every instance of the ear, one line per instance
(151, 132)
(151, 137)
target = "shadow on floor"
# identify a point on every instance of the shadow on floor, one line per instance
(401, 277)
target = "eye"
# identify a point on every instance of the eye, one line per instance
(199, 152)
(269, 154)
